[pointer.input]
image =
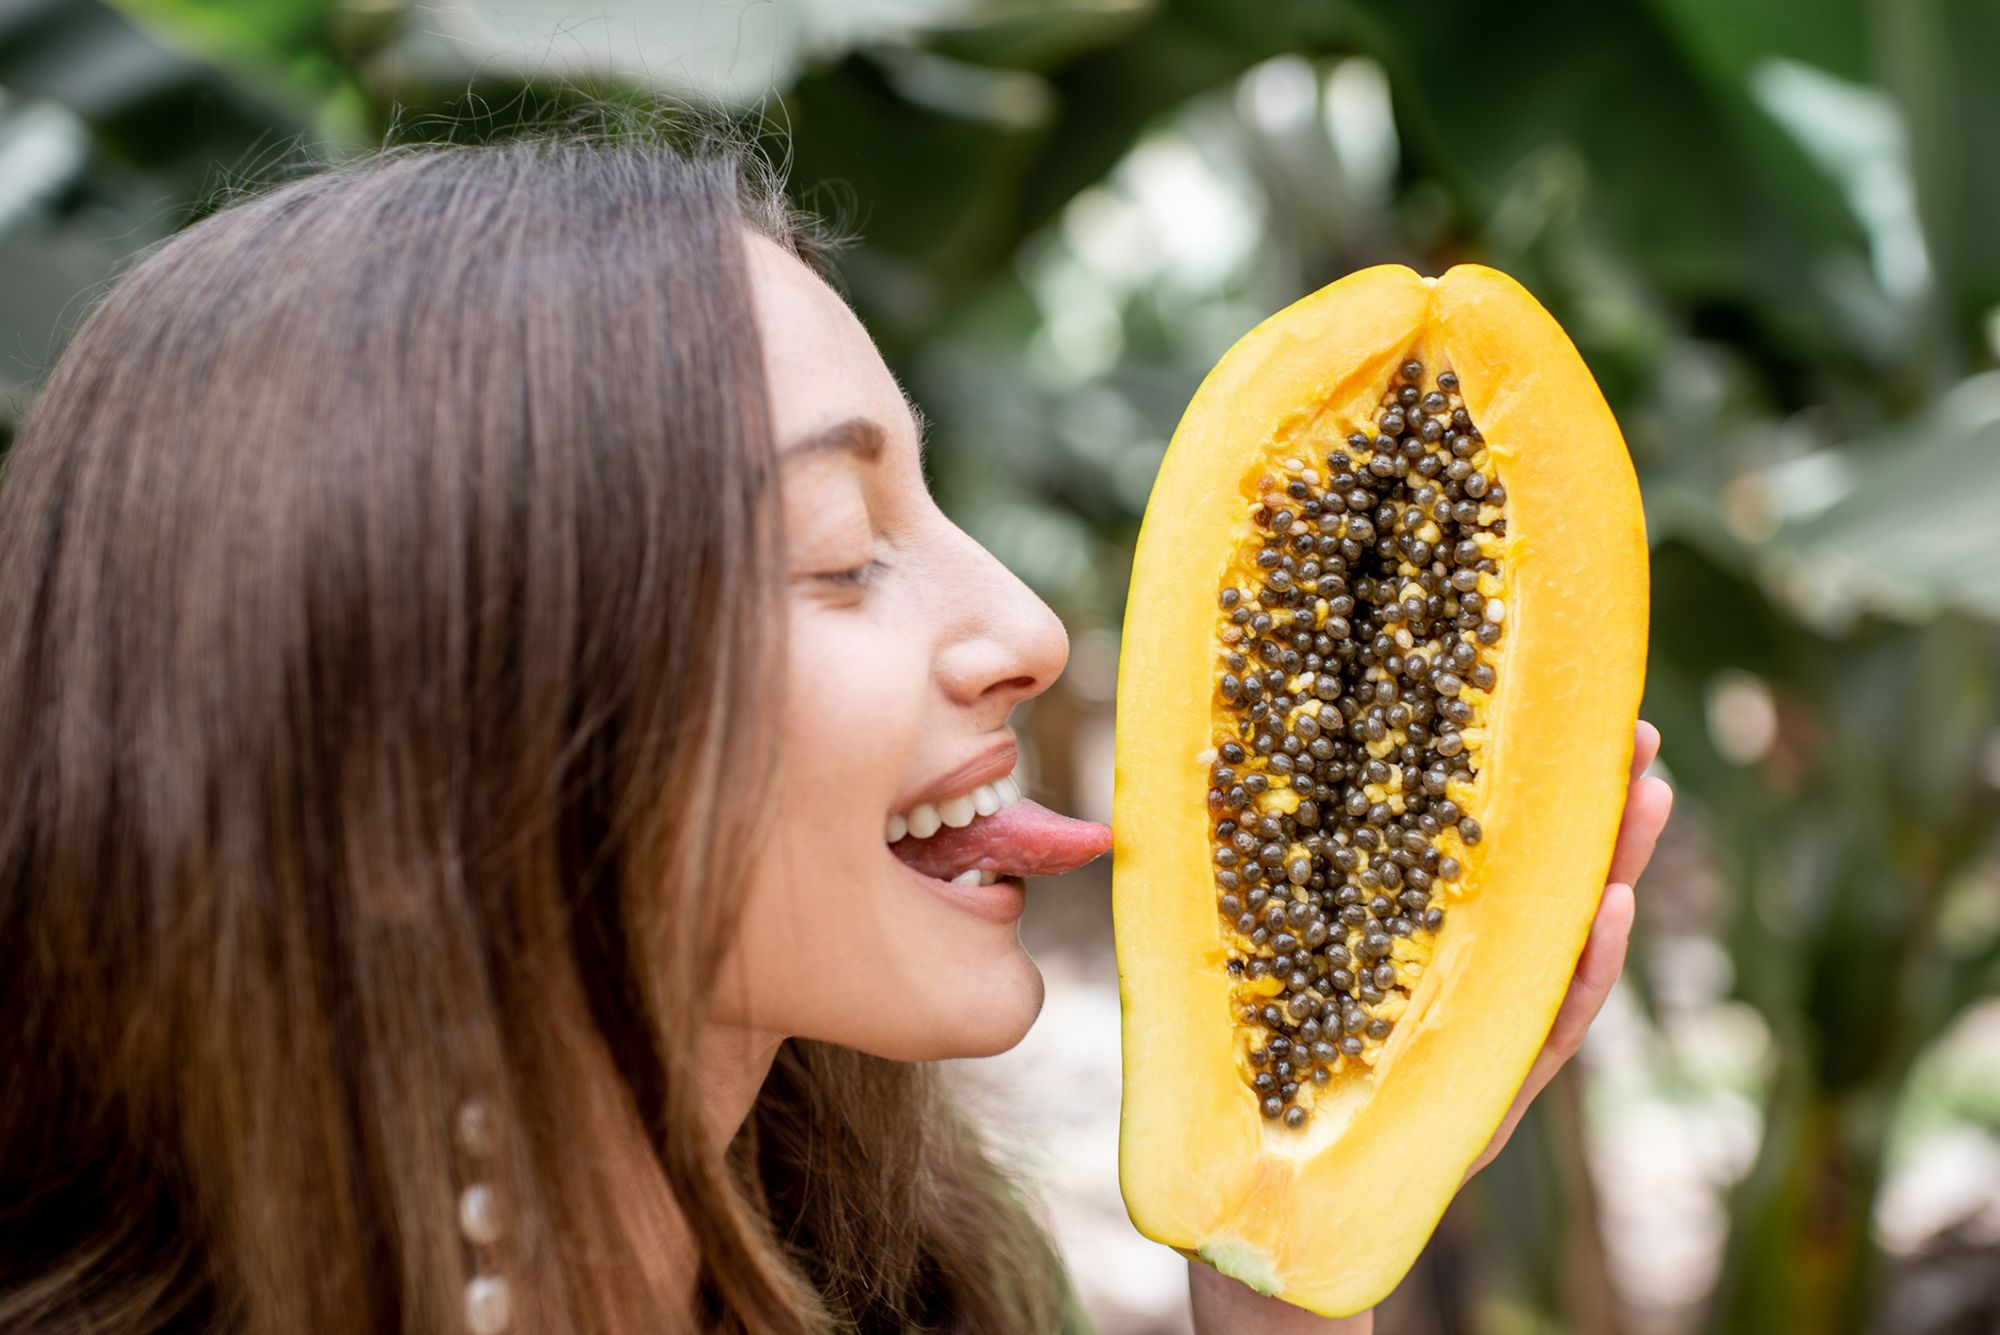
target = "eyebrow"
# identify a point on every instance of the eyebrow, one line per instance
(861, 437)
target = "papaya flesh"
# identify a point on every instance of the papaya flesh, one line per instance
(1382, 660)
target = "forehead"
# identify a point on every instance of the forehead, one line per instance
(821, 363)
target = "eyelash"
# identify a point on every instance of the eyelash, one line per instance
(858, 577)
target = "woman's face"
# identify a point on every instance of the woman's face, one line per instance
(882, 906)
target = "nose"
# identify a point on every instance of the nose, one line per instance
(1005, 644)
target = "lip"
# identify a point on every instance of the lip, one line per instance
(1002, 902)
(995, 762)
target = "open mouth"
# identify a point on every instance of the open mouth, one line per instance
(990, 834)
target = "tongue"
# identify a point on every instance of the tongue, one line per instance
(1024, 840)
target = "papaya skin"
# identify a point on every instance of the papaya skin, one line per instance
(1330, 1217)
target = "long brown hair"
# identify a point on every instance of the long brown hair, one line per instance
(384, 570)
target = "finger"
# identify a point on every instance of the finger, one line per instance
(1647, 803)
(1645, 747)
(1603, 959)
(1505, 1131)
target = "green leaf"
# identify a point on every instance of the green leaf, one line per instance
(1941, 58)
(1040, 38)
(1678, 172)
(250, 37)
(1913, 532)
(1728, 37)
(152, 105)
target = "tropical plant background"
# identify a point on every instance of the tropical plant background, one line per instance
(1770, 228)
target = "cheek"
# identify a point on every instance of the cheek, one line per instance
(853, 706)
(851, 715)
(838, 941)
(853, 711)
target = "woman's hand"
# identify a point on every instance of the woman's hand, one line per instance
(1223, 1305)
(1647, 801)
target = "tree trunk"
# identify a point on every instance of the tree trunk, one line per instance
(1802, 1254)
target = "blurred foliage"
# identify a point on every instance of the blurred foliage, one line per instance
(1769, 227)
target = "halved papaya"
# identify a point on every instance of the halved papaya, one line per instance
(1382, 660)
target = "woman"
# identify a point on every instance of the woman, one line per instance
(473, 621)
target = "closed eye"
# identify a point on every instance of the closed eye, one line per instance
(854, 577)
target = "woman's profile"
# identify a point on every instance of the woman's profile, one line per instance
(472, 624)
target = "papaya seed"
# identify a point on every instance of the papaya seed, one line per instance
(1356, 634)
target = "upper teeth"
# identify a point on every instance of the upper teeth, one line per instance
(925, 819)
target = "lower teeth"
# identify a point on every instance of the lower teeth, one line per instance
(974, 876)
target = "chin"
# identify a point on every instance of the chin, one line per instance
(1007, 1019)
(982, 1019)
